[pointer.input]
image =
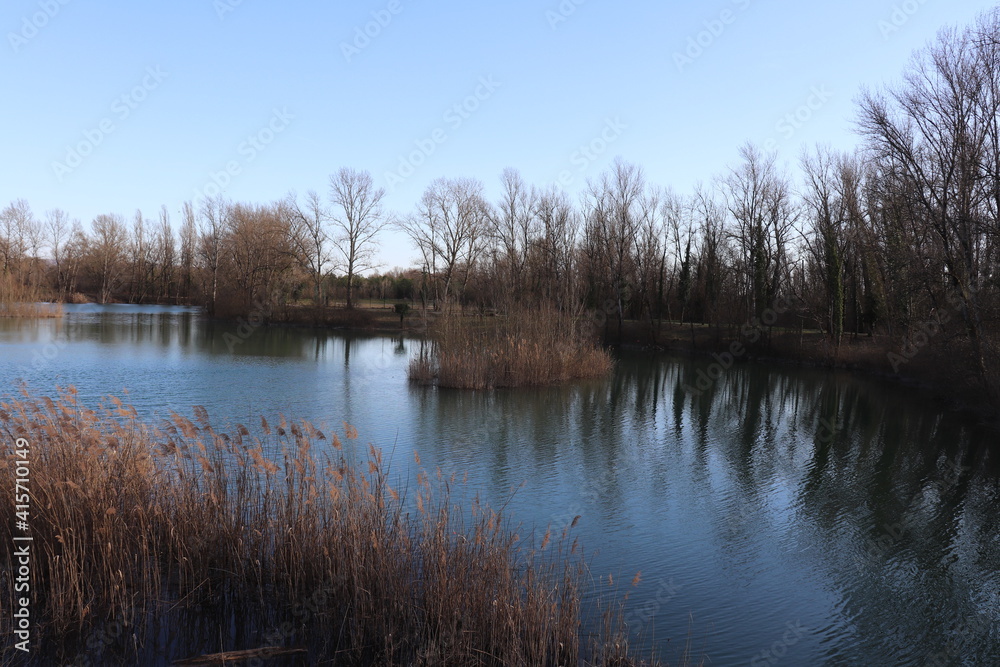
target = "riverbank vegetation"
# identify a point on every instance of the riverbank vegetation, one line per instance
(883, 255)
(31, 310)
(298, 539)
(533, 347)
(21, 297)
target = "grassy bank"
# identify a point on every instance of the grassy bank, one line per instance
(294, 537)
(527, 348)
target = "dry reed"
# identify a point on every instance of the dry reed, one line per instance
(529, 347)
(132, 522)
(32, 310)
(19, 300)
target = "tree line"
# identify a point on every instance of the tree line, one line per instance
(897, 237)
(230, 257)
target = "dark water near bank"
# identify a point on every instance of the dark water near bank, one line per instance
(823, 518)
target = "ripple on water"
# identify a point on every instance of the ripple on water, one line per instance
(741, 512)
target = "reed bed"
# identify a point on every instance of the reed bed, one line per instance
(18, 300)
(529, 347)
(32, 310)
(134, 522)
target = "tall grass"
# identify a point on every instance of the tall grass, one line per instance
(31, 310)
(134, 522)
(18, 300)
(528, 347)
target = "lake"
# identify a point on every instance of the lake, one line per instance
(783, 515)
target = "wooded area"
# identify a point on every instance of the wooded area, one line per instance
(897, 239)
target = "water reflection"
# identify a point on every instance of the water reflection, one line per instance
(775, 496)
(775, 499)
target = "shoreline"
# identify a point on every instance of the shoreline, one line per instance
(863, 357)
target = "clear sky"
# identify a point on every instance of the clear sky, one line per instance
(112, 106)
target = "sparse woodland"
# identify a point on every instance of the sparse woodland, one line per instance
(891, 247)
(890, 250)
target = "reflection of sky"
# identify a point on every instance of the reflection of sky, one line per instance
(740, 502)
(174, 362)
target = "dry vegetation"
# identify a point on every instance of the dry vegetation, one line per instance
(18, 300)
(133, 522)
(31, 310)
(532, 347)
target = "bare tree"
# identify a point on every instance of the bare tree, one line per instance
(650, 252)
(17, 225)
(985, 35)
(189, 246)
(358, 219)
(825, 239)
(58, 229)
(759, 201)
(107, 250)
(613, 215)
(34, 236)
(711, 217)
(310, 238)
(214, 213)
(140, 260)
(164, 250)
(257, 251)
(556, 249)
(677, 225)
(76, 255)
(420, 228)
(937, 132)
(512, 230)
(449, 227)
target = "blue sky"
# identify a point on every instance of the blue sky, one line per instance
(170, 100)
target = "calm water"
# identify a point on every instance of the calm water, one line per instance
(827, 519)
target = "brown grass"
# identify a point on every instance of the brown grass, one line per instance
(133, 522)
(18, 300)
(78, 298)
(534, 347)
(31, 310)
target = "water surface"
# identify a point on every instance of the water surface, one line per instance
(822, 518)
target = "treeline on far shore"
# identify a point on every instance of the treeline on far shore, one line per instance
(890, 249)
